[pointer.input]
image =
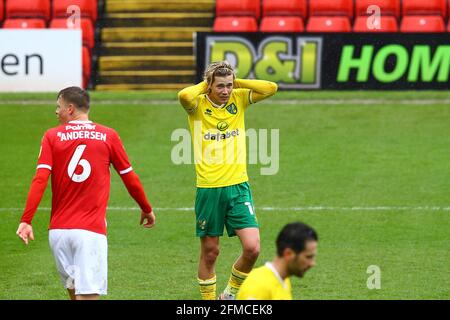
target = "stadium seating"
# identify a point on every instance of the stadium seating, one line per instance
(428, 7)
(281, 24)
(387, 24)
(238, 8)
(387, 7)
(24, 24)
(2, 9)
(422, 24)
(328, 24)
(88, 8)
(86, 58)
(86, 27)
(284, 8)
(235, 24)
(331, 8)
(28, 9)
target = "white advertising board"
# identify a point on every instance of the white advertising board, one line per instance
(40, 60)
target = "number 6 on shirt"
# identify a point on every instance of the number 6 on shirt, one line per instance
(76, 160)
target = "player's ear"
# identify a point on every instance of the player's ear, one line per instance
(71, 108)
(288, 254)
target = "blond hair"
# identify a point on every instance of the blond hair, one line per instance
(219, 69)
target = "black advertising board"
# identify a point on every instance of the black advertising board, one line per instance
(336, 61)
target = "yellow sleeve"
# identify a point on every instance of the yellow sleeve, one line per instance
(260, 89)
(188, 96)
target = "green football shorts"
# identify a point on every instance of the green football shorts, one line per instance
(230, 206)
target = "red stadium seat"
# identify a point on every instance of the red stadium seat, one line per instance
(86, 27)
(235, 24)
(2, 8)
(422, 24)
(284, 8)
(88, 8)
(328, 24)
(331, 8)
(387, 24)
(24, 24)
(238, 8)
(28, 9)
(282, 24)
(86, 61)
(387, 7)
(421, 7)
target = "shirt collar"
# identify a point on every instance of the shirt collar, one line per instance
(80, 121)
(219, 106)
(275, 272)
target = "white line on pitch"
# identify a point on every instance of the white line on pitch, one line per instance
(307, 208)
(274, 101)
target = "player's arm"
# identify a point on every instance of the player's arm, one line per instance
(136, 191)
(260, 89)
(188, 96)
(37, 189)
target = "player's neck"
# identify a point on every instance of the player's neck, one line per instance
(280, 266)
(215, 103)
(80, 117)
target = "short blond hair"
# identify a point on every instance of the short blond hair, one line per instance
(219, 69)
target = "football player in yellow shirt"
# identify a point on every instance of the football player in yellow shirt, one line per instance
(216, 109)
(296, 254)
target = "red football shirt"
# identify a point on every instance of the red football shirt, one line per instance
(79, 155)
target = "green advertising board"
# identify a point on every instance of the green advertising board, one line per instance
(332, 61)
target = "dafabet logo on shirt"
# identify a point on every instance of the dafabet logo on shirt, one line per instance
(222, 125)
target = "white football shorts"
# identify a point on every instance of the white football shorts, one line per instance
(81, 259)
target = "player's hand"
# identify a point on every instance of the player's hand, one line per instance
(150, 217)
(25, 232)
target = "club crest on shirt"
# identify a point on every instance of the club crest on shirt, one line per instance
(201, 224)
(232, 108)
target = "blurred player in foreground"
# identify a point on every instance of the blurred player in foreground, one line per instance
(296, 254)
(216, 108)
(78, 154)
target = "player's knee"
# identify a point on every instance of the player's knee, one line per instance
(252, 251)
(210, 254)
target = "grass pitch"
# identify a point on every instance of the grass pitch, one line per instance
(369, 170)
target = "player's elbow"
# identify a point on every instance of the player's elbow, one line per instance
(40, 180)
(273, 88)
(130, 180)
(184, 97)
(41, 176)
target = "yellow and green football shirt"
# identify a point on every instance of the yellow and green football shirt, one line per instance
(264, 283)
(219, 142)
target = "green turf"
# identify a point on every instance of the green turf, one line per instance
(347, 155)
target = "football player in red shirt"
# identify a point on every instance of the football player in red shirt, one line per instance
(77, 154)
